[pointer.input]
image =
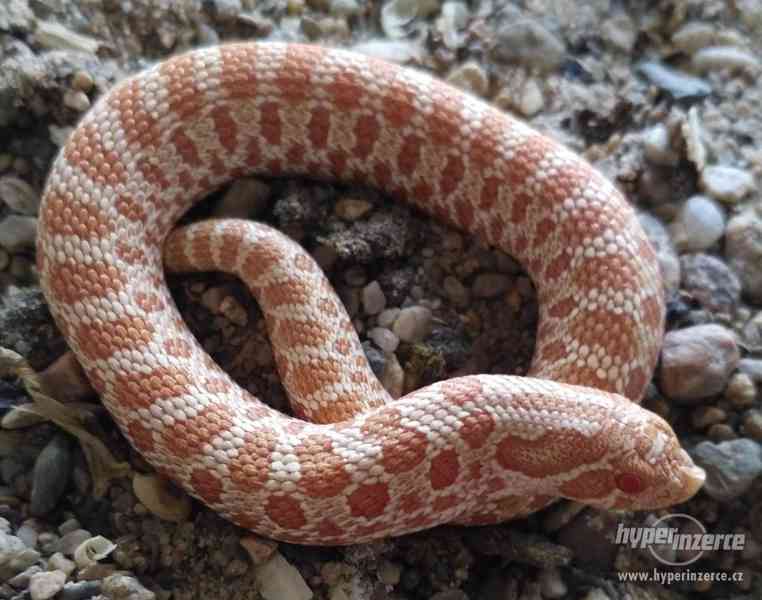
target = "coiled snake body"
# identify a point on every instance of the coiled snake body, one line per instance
(476, 449)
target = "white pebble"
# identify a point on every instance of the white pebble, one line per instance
(384, 339)
(413, 324)
(699, 224)
(723, 57)
(46, 584)
(373, 298)
(726, 183)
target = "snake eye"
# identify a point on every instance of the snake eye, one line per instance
(629, 483)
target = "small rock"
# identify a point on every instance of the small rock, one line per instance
(699, 224)
(80, 590)
(393, 378)
(76, 100)
(751, 367)
(279, 580)
(693, 36)
(18, 232)
(384, 339)
(15, 556)
(247, 197)
(529, 43)
(456, 291)
(161, 497)
(711, 282)
(731, 467)
(92, 550)
(55, 36)
(490, 285)
(72, 540)
(705, 416)
(413, 324)
(619, 32)
(743, 248)
(728, 184)
(373, 298)
(696, 362)
(741, 390)
(715, 58)
(657, 146)
(376, 359)
(352, 209)
(471, 77)
(679, 85)
(46, 584)
(19, 196)
(52, 471)
(124, 587)
(21, 581)
(59, 562)
(752, 424)
(388, 317)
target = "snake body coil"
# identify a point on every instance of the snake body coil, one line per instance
(477, 449)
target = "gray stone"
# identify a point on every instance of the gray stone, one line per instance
(699, 224)
(731, 467)
(711, 282)
(696, 362)
(743, 248)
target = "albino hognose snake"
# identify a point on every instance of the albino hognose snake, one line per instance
(476, 449)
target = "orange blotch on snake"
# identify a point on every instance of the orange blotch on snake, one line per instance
(322, 473)
(149, 301)
(550, 454)
(101, 340)
(367, 131)
(130, 209)
(187, 437)
(141, 437)
(410, 503)
(369, 500)
(403, 448)
(159, 384)
(207, 485)
(64, 214)
(319, 126)
(588, 485)
(444, 469)
(250, 468)
(328, 529)
(286, 512)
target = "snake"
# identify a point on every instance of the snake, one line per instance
(351, 464)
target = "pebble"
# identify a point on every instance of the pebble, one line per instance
(669, 261)
(279, 580)
(528, 43)
(15, 556)
(731, 467)
(376, 359)
(21, 581)
(93, 550)
(693, 36)
(743, 249)
(18, 232)
(80, 590)
(55, 36)
(384, 339)
(51, 474)
(388, 317)
(413, 324)
(352, 209)
(752, 424)
(727, 184)
(456, 291)
(696, 362)
(706, 416)
(675, 83)
(741, 390)
(247, 197)
(46, 584)
(715, 58)
(699, 224)
(393, 378)
(710, 281)
(69, 543)
(490, 285)
(60, 562)
(751, 367)
(471, 77)
(76, 100)
(373, 298)
(124, 587)
(657, 146)
(19, 196)
(161, 497)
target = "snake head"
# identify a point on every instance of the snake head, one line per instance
(651, 469)
(644, 467)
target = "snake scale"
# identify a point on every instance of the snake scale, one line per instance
(352, 465)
